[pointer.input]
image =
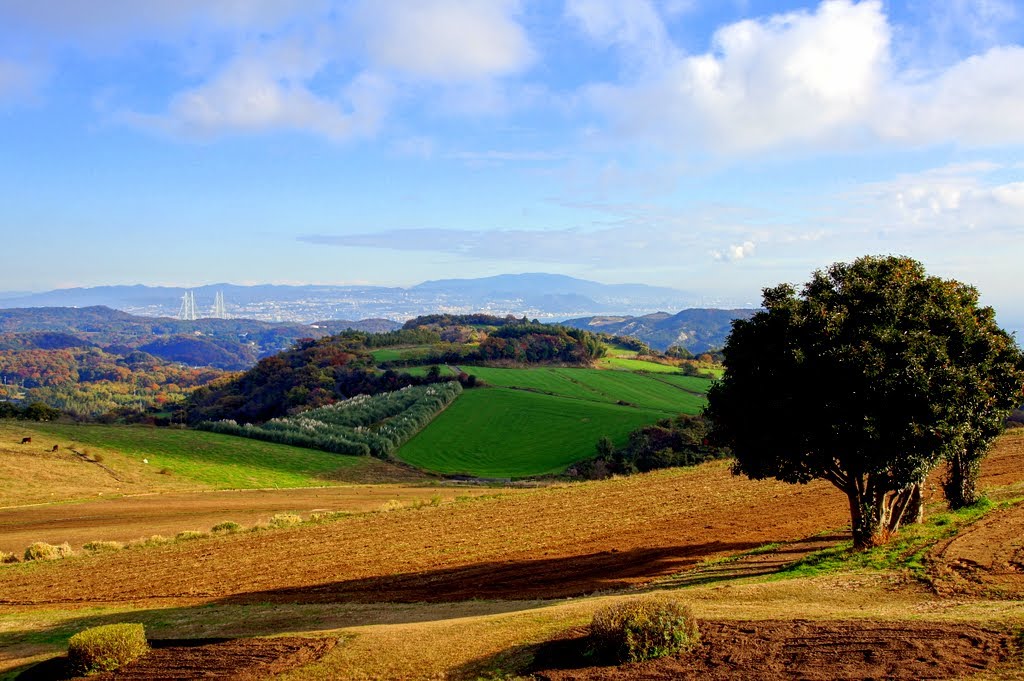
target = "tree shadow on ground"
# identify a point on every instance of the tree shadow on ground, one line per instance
(499, 586)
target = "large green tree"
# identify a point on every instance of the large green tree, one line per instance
(868, 377)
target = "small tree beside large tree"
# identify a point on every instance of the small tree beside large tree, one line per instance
(868, 378)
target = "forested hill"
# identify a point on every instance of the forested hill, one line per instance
(698, 330)
(317, 372)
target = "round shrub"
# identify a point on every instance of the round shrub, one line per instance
(8, 557)
(106, 648)
(226, 527)
(643, 629)
(40, 550)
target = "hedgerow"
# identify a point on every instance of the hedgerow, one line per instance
(363, 425)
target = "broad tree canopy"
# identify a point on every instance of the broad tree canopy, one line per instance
(867, 378)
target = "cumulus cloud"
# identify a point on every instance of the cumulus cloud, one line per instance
(949, 201)
(735, 252)
(446, 40)
(825, 78)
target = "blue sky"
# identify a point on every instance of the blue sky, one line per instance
(718, 147)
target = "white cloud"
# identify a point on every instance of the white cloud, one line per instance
(635, 26)
(270, 90)
(446, 40)
(735, 252)
(821, 79)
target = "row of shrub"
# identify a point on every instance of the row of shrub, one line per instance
(374, 425)
(680, 441)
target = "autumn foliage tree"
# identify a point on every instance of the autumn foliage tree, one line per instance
(868, 378)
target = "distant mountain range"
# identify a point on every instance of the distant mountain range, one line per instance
(542, 296)
(698, 330)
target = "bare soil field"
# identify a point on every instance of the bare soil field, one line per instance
(986, 558)
(547, 543)
(859, 649)
(543, 543)
(127, 518)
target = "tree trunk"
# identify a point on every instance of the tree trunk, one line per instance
(869, 513)
(961, 481)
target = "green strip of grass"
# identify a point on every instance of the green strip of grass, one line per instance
(636, 365)
(220, 461)
(905, 551)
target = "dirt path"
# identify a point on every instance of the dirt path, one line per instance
(127, 518)
(861, 649)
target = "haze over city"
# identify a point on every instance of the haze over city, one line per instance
(712, 147)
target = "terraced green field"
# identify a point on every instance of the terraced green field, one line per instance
(220, 461)
(539, 420)
(504, 432)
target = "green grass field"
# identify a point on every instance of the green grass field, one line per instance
(502, 432)
(407, 352)
(220, 461)
(665, 393)
(636, 365)
(422, 370)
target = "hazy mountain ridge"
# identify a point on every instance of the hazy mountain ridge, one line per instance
(696, 329)
(536, 295)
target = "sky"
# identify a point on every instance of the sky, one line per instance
(716, 147)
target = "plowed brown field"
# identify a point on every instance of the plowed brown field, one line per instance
(238, 659)
(804, 650)
(127, 518)
(551, 542)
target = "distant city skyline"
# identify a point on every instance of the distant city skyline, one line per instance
(713, 147)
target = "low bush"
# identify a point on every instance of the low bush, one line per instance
(40, 550)
(154, 540)
(285, 519)
(106, 648)
(327, 516)
(391, 505)
(226, 527)
(98, 546)
(643, 629)
(189, 535)
(8, 557)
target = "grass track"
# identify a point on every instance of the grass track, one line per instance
(501, 432)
